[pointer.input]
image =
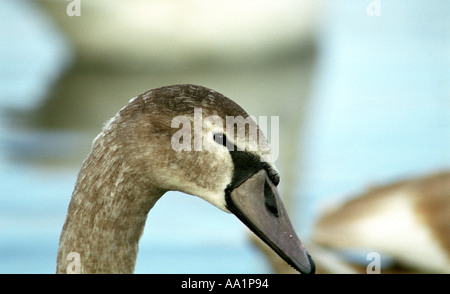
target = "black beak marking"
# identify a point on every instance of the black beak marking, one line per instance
(253, 197)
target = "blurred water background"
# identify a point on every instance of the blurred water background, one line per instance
(362, 99)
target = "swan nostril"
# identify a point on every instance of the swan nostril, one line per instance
(270, 201)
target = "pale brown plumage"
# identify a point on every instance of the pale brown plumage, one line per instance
(408, 220)
(132, 164)
(131, 157)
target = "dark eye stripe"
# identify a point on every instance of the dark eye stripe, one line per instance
(246, 164)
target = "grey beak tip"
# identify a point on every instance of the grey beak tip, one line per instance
(257, 204)
(311, 264)
(307, 267)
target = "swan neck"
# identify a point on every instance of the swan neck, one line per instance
(106, 216)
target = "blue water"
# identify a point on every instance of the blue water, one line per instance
(379, 111)
(32, 55)
(380, 108)
(34, 195)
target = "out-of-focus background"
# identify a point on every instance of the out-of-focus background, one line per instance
(361, 88)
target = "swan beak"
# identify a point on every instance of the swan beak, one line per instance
(256, 203)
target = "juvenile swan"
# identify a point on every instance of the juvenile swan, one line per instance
(149, 148)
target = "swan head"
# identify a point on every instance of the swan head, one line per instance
(192, 139)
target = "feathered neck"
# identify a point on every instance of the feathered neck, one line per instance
(107, 212)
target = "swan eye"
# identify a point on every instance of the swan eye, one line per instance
(220, 139)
